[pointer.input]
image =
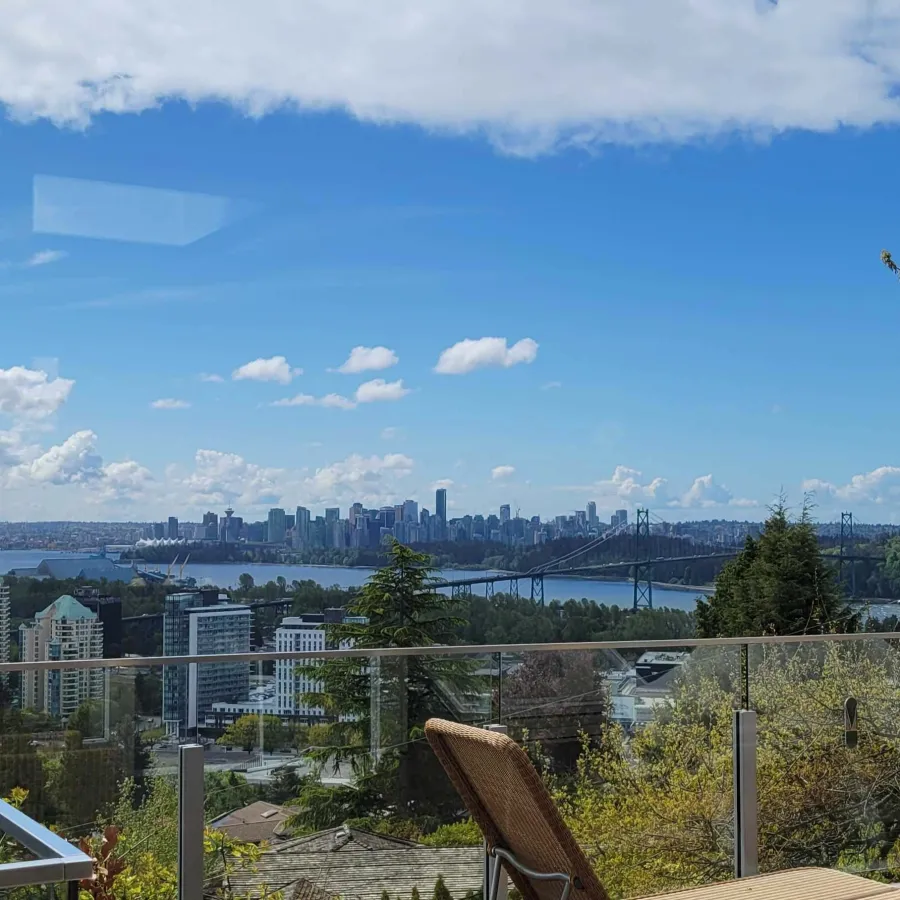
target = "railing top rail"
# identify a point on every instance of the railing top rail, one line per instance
(57, 859)
(131, 662)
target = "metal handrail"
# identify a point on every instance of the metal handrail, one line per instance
(131, 662)
(57, 859)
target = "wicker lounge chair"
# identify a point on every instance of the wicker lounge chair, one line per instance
(524, 830)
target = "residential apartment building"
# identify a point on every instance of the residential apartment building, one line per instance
(4, 625)
(199, 623)
(65, 630)
(297, 634)
(293, 679)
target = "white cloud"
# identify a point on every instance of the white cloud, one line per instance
(336, 401)
(365, 359)
(45, 257)
(551, 385)
(630, 487)
(368, 479)
(227, 478)
(276, 368)
(369, 392)
(211, 378)
(378, 389)
(31, 393)
(499, 472)
(880, 486)
(390, 433)
(445, 483)
(170, 403)
(468, 355)
(705, 492)
(530, 75)
(72, 462)
(122, 482)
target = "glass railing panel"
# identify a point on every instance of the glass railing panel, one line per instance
(827, 785)
(639, 755)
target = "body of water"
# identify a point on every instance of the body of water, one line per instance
(620, 593)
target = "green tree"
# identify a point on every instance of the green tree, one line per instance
(415, 894)
(244, 733)
(398, 607)
(776, 585)
(441, 892)
(662, 799)
(245, 581)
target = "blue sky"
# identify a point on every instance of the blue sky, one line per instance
(697, 301)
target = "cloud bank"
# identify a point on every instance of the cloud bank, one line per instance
(532, 76)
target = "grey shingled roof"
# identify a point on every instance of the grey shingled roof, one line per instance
(343, 838)
(253, 824)
(364, 875)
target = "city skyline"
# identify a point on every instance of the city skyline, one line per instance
(599, 275)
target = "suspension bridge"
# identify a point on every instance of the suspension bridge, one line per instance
(640, 566)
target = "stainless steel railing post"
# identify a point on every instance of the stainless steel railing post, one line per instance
(746, 836)
(190, 822)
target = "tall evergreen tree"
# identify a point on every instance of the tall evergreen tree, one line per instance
(378, 705)
(778, 584)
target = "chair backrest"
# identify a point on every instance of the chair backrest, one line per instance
(511, 805)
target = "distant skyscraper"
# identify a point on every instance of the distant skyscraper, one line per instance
(159, 531)
(411, 511)
(622, 516)
(332, 514)
(211, 526)
(591, 513)
(276, 526)
(440, 510)
(172, 530)
(355, 511)
(64, 630)
(301, 527)
(504, 513)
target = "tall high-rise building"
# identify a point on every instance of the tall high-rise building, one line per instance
(277, 529)
(591, 513)
(411, 511)
(159, 531)
(355, 511)
(211, 526)
(332, 514)
(301, 528)
(440, 510)
(109, 612)
(4, 626)
(65, 630)
(172, 529)
(622, 516)
(195, 622)
(504, 513)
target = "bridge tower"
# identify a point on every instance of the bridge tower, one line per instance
(642, 566)
(847, 548)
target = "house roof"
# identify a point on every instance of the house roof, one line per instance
(253, 824)
(363, 875)
(343, 838)
(66, 607)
